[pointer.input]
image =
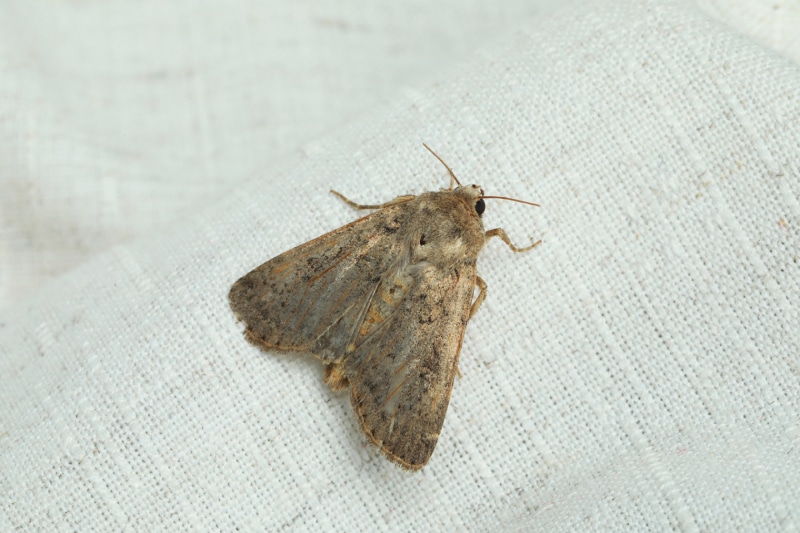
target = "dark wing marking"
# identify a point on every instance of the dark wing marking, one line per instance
(313, 297)
(401, 373)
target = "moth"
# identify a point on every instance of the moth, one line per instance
(383, 302)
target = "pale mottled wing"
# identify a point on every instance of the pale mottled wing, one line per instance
(312, 298)
(401, 368)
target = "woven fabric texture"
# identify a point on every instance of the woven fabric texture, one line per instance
(637, 371)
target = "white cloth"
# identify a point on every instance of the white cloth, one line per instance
(639, 370)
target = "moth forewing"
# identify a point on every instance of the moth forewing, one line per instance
(305, 299)
(384, 302)
(401, 396)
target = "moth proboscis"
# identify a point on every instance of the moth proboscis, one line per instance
(384, 302)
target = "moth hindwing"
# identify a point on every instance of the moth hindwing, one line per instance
(383, 302)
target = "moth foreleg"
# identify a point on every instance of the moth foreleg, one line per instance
(499, 232)
(351, 203)
(481, 296)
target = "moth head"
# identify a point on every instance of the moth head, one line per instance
(475, 196)
(472, 191)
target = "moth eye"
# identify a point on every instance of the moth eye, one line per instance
(480, 206)
(422, 241)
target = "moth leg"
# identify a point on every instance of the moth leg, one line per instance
(475, 305)
(481, 296)
(334, 378)
(499, 232)
(351, 203)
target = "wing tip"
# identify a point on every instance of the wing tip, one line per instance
(412, 464)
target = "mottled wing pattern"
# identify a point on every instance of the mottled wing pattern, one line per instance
(402, 366)
(384, 301)
(318, 306)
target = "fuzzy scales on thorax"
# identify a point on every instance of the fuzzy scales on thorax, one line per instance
(449, 227)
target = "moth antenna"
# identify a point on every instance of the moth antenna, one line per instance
(450, 170)
(512, 200)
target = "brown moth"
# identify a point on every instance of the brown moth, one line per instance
(383, 302)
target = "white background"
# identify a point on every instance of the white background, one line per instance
(638, 370)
